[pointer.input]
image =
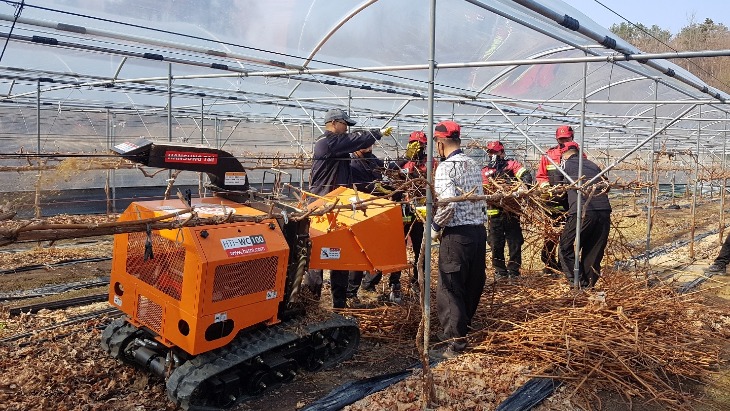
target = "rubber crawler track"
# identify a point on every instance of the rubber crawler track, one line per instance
(183, 386)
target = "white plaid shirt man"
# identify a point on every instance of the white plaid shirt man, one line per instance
(456, 176)
(462, 251)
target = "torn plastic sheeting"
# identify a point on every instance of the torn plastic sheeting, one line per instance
(352, 391)
(530, 394)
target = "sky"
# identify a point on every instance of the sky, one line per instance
(667, 14)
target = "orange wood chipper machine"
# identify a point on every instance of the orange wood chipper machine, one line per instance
(212, 309)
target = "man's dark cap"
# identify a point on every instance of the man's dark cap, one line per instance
(338, 114)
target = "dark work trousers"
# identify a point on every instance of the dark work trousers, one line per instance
(724, 256)
(593, 239)
(462, 276)
(338, 283)
(370, 280)
(416, 233)
(550, 249)
(505, 228)
(354, 280)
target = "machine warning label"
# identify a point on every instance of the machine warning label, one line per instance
(329, 253)
(190, 157)
(235, 178)
(126, 147)
(244, 245)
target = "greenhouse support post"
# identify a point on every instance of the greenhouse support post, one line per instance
(110, 188)
(721, 229)
(694, 187)
(427, 383)
(300, 149)
(169, 109)
(107, 186)
(218, 133)
(202, 141)
(651, 157)
(38, 119)
(579, 183)
(37, 201)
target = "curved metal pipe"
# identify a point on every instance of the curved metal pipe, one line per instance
(334, 29)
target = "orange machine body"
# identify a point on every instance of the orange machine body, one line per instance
(199, 285)
(364, 239)
(196, 287)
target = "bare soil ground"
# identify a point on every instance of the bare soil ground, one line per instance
(65, 369)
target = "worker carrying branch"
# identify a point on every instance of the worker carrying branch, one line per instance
(331, 169)
(595, 215)
(548, 175)
(504, 226)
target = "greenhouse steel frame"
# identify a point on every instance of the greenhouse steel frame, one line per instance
(511, 70)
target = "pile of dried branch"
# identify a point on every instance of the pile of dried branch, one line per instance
(640, 341)
(643, 342)
(390, 323)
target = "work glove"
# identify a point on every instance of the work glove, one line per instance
(380, 189)
(546, 194)
(521, 190)
(413, 149)
(386, 131)
(435, 235)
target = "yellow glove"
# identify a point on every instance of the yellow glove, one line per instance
(546, 195)
(386, 131)
(380, 189)
(412, 150)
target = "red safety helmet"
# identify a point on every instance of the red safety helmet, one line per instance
(495, 146)
(570, 145)
(447, 129)
(564, 132)
(419, 136)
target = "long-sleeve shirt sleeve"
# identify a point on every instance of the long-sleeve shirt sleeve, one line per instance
(445, 188)
(546, 169)
(331, 160)
(344, 144)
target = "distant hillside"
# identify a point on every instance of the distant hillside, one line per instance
(707, 35)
